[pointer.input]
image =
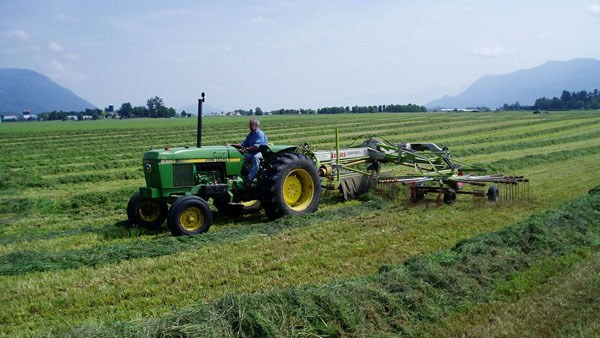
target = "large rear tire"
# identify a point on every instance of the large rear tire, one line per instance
(291, 186)
(189, 215)
(146, 212)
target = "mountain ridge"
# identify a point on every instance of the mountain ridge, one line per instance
(22, 88)
(526, 85)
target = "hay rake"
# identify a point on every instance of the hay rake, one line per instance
(357, 168)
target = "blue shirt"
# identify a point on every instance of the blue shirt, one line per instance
(256, 139)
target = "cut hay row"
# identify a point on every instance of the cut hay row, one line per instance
(98, 150)
(111, 200)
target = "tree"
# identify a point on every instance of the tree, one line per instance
(126, 110)
(155, 106)
(140, 111)
(171, 112)
(565, 97)
(258, 111)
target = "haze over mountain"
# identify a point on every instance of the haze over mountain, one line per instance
(527, 85)
(26, 89)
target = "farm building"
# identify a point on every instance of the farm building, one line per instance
(460, 110)
(28, 116)
(10, 118)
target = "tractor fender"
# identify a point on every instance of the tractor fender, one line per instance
(270, 151)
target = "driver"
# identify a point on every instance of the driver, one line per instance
(249, 147)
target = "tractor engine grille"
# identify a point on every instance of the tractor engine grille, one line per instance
(183, 175)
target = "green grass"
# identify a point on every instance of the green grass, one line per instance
(406, 299)
(560, 298)
(66, 258)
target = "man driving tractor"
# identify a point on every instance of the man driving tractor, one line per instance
(249, 147)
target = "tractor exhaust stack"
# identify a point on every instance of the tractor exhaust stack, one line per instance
(199, 140)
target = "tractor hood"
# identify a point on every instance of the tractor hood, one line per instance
(204, 154)
(193, 154)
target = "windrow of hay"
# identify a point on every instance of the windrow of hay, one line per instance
(27, 261)
(398, 299)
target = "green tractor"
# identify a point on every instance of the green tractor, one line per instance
(181, 181)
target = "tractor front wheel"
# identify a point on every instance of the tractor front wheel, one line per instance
(291, 186)
(189, 215)
(146, 212)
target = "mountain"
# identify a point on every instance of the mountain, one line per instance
(527, 85)
(25, 89)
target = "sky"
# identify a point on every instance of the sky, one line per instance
(288, 54)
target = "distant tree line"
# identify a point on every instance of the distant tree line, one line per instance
(570, 100)
(516, 106)
(293, 111)
(155, 107)
(392, 108)
(93, 114)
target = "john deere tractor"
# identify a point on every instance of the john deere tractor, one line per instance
(181, 181)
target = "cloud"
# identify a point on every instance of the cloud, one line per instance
(55, 66)
(594, 9)
(66, 18)
(261, 20)
(56, 70)
(488, 51)
(17, 34)
(55, 47)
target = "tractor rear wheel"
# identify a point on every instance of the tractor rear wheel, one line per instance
(189, 215)
(291, 186)
(146, 212)
(235, 209)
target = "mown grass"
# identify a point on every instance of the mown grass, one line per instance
(405, 299)
(24, 261)
(66, 257)
(555, 298)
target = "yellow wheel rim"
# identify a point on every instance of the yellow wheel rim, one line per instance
(149, 210)
(298, 190)
(248, 204)
(191, 219)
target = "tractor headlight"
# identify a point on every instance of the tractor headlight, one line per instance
(148, 167)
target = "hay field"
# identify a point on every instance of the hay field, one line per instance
(68, 260)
